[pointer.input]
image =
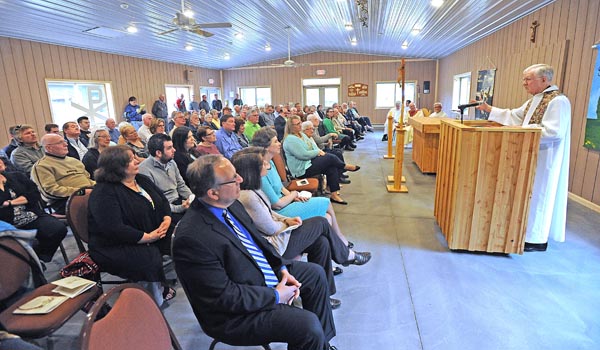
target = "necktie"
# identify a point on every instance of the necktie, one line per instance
(270, 278)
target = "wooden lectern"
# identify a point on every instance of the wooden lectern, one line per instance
(483, 187)
(426, 137)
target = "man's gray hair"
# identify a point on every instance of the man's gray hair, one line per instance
(541, 70)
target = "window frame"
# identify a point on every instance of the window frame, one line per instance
(255, 87)
(396, 90)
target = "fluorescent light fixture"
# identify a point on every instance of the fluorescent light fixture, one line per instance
(353, 42)
(348, 26)
(405, 45)
(189, 47)
(188, 13)
(437, 3)
(226, 56)
(268, 47)
(415, 31)
(238, 35)
(132, 29)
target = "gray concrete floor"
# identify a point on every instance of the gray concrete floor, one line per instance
(416, 294)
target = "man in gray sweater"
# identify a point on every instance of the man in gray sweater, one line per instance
(163, 171)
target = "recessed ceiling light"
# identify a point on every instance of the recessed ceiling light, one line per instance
(405, 45)
(437, 3)
(132, 29)
(353, 42)
(226, 56)
(415, 31)
(188, 13)
(124, 5)
(238, 35)
(348, 26)
(189, 47)
(268, 47)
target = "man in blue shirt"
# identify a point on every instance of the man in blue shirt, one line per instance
(239, 288)
(227, 142)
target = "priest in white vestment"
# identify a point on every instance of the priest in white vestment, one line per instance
(396, 114)
(437, 111)
(549, 110)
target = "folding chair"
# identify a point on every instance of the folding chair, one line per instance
(17, 265)
(133, 322)
(77, 217)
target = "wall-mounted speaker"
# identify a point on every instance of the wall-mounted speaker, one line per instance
(426, 86)
(188, 75)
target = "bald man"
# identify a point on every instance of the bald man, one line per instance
(58, 176)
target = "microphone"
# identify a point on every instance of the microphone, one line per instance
(467, 105)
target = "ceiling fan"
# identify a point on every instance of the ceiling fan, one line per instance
(188, 24)
(289, 63)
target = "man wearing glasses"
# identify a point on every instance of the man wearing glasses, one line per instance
(239, 288)
(227, 142)
(58, 176)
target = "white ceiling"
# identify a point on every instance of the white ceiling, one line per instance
(317, 25)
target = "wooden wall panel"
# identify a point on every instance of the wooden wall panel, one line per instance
(568, 29)
(286, 83)
(24, 66)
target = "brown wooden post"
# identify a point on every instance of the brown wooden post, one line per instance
(397, 186)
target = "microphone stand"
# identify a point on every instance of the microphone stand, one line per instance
(462, 111)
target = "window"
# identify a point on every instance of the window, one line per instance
(387, 93)
(461, 90)
(173, 92)
(255, 96)
(70, 100)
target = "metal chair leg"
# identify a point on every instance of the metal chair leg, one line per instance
(64, 253)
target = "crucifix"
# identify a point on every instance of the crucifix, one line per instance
(533, 28)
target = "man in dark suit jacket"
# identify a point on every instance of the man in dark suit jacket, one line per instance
(225, 285)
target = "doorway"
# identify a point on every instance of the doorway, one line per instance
(323, 92)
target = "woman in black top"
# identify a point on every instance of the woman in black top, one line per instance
(99, 141)
(183, 142)
(128, 218)
(20, 206)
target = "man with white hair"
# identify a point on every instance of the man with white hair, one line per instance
(549, 110)
(58, 176)
(144, 131)
(437, 111)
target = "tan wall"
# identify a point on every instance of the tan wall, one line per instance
(565, 23)
(25, 64)
(286, 83)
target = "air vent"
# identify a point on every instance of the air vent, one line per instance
(105, 32)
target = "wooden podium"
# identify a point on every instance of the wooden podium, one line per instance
(483, 187)
(426, 137)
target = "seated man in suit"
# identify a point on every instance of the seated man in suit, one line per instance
(239, 287)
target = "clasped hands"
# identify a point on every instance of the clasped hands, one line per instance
(157, 234)
(288, 288)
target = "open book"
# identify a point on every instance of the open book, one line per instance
(40, 305)
(72, 286)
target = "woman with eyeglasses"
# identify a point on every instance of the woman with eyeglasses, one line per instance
(133, 140)
(305, 159)
(240, 126)
(99, 141)
(157, 126)
(207, 137)
(291, 236)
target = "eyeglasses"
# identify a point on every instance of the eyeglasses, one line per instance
(103, 136)
(296, 124)
(237, 176)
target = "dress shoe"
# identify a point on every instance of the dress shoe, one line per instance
(350, 245)
(344, 176)
(384, 138)
(345, 181)
(536, 247)
(338, 202)
(356, 168)
(337, 271)
(335, 303)
(359, 259)
(348, 148)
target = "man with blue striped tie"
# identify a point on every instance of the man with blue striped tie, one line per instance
(239, 287)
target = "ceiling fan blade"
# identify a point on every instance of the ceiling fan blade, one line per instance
(201, 32)
(168, 31)
(214, 25)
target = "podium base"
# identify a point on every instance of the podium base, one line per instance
(389, 157)
(390, 178)
(402, 189)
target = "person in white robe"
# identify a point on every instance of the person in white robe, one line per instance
(437, 111)
(551, 111)
(396, 113)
